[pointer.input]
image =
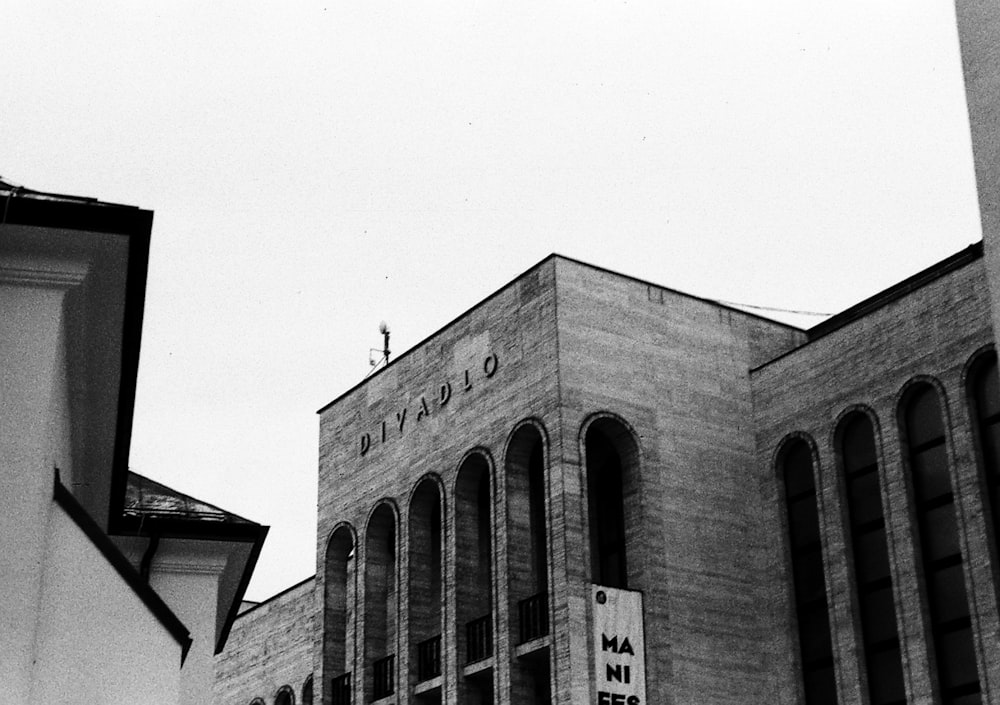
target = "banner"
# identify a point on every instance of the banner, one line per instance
(618, 646)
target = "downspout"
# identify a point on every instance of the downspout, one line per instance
(147, 557)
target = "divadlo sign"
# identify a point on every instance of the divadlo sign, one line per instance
(427, 403)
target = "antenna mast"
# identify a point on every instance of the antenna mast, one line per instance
(383, 328)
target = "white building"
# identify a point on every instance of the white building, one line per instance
(104, 603)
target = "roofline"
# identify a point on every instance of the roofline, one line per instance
(538, 265)
(65, 499)
(20, 206)
(201, 530)
(276, 595)
(135, 303)
(183, 528)
(151, 514)
(889, 295)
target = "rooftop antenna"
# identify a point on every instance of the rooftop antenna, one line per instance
(383, 328)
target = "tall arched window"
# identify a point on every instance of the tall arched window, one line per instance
(985, 398)
(339, 604)
(425, 581)
(873, 580)
(808, 577)
(613, 492)
(473, 573)
(380, 603)
(944, 578)
(526, 531)
(527, 560)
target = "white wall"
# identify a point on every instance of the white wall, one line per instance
(186, 575)
(30, 335)
(97, 643)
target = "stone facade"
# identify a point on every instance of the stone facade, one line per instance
(581, 431)
(269, 651)
(930, 331)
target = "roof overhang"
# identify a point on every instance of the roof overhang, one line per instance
(110, 244)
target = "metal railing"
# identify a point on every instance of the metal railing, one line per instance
(384, 677)
(479, 639)
(429, 659)
(533, 617)
(340, 690)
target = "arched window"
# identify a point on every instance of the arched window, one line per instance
(795, 466)
(339, 605)
(307, 691)
(944, 578)
(873, 581)
(284, 696)
(612, 485)
(474, 570)
(985, 400)
(257, 701)
(527, 560)
(425, 580)
(527, 554)
(380, 602)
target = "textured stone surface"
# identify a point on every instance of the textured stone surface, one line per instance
(270, 646)
(704, 395)
(930, 334)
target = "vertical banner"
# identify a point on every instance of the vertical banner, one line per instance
(619, 647)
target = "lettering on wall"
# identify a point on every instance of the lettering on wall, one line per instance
(619, 647)
(428, 403)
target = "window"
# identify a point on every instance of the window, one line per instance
(873, 582)
(808, 578)
(937, 523)
(614, 503)
(339, 603)
(284, 696)
(380, 601)
(425, 594)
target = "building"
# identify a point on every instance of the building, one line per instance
(116, 588)
(744, 512)
(806, 515)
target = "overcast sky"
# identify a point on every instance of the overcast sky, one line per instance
(317, 167)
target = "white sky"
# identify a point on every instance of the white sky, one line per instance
(318, 167)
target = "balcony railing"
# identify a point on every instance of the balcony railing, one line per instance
(429, 659)
(533, 617)
(479, 639)
(340, 690)
(384, 677)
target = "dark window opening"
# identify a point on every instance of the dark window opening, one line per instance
(873, 582)
(809, 580)
(941, 555)
(607, 511)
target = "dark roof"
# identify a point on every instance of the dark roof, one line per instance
(9, 190)
(148, 498)
(153, 509)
